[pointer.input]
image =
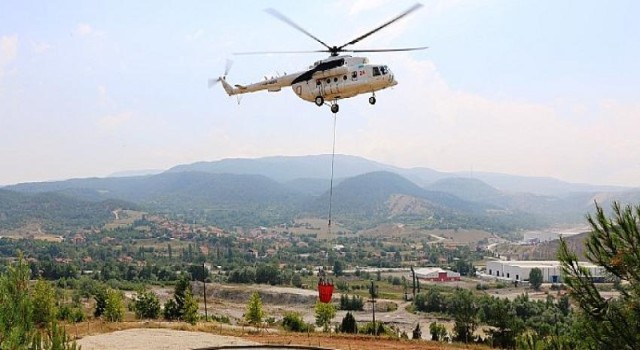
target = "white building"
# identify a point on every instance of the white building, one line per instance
(551, 271)
(436, 274)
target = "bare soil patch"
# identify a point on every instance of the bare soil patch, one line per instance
(157, 338)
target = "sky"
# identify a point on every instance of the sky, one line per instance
(535, 88)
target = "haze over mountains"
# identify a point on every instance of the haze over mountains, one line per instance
(265, 191)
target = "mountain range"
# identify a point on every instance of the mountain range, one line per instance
(271, 190)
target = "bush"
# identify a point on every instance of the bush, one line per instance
(146, 305)
(380, 329)
(355, 303)
(293, 322)
(417, 332)
(220, 319)
(349, 324)
(438, 331)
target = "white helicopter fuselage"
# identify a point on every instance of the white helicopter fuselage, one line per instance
(330, 79)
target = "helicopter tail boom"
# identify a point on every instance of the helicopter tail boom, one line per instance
(230, 90)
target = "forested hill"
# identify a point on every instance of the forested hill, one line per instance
(384, 196)
(287, 168)
(228, 200)
(250, 200)
(55, 212)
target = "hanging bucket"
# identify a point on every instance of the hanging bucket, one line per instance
(325, 291)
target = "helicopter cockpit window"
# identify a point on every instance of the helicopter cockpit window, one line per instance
(376, 71)
(384, 70)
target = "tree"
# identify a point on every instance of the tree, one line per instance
(198, 272)
(613, 244)
(268, 274)
(296, 280)
(17, 321)
(146, 305)
(114, 309)
(16, 307)
(190, 310)
(324, 314)
(44, 303)
(338, 268)
(183, 306)
(438, 331)
(417, 332)
(535, 278)
(464, 312)
(505, 324)
(100, 295)
(254, 313)
(349, 324)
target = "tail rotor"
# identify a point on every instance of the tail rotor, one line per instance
(215, 81)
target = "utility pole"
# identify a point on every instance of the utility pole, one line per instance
(204, 285)
(413, 280)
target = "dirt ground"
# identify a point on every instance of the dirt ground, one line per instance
(192, 338)
(157, 338)
(346, 342)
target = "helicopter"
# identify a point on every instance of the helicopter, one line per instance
(337, 77)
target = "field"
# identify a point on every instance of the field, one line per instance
(30, 231)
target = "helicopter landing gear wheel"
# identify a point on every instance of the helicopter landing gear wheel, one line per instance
(335, 108)
(319, 101)
(372, 100)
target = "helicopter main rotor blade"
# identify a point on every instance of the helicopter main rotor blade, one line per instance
(411, 9)
(389, 50)
(227, 67)
(286, 20)
(276, 52)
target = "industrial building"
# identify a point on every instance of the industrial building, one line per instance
(551, 272)
(436, 274)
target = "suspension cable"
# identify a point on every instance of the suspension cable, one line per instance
(333, 155)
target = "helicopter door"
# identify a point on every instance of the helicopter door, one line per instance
(319, 87)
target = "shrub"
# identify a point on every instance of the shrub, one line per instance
(349, 324)
(293, 322)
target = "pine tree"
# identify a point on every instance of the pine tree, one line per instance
(349, 324)
(254, 313)
(614, 244)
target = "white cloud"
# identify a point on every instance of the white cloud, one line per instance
(40, 47)
(115, 121)
(103, 97)
(8, 51)
(430, 124)
(84, 29)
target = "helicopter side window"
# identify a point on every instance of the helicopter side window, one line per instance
(318, 82)
(328, 80)
(354, 75)
(344, 78)
(335, 80)
(384, 70)
(376, 71)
